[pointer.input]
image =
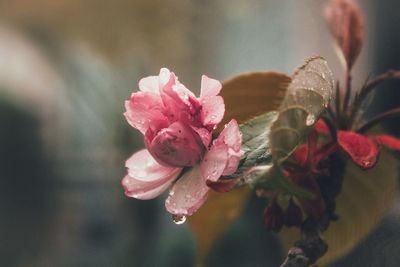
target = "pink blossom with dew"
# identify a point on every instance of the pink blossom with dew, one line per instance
(177, 128)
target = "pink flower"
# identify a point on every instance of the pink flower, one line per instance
(177, 128)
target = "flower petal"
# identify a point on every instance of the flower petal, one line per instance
(215, 162)
(361, 149)
(150, 84)
(213, 109)
(321, 127)
(181, 104)
(188, 193)
(388, 141)
(209, 87)
(231, 135)
(144, 190)
(233, 162)
(166, 77)
(178, 145)
(144, 110)
(204, 134)
(142, 167)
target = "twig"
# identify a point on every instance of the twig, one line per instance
(371, 85)
(385, 115)
(347, 90)
(310, 248)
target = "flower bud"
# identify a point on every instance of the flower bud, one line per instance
(273, 216)
(176, 146)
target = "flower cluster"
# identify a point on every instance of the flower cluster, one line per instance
(178, 134)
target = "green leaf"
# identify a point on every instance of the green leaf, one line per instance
(273, 180)
(255, 143)
(306, 98)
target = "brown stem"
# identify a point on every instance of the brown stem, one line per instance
(310, 248)
(371, 85)
(338, 103)
(385, 115)
(368, 87)
(347, 90)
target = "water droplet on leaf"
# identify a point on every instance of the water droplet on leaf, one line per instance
(310, 120)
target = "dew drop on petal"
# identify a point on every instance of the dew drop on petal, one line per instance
(179, 219)
(310, 120)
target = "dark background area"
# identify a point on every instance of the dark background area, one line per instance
(66, 68)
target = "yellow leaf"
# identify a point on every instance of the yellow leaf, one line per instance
(252, 94)
(361, 204)
(214, 218)
(245, 96)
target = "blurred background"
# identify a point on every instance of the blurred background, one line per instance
(67, 66)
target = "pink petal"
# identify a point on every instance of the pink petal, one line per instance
(180, 103)
(166, 77)
(233, 162)
(144, 190)
(142, 166)
(231, 135)
(215, 162)
(188, 193)
(178, 145)
(388, 141)
(204, 134)
(362, 149)
(209, 87)
(213, 109)
(150, 84)
(143, 110)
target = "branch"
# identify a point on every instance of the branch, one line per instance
(371, 85)
(368, 87)
(385, 115)
(347, 87)
(311, 247)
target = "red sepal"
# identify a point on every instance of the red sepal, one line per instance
(362, 149)
(388, 141)
(321, 127)
(301, 154)
(273, 216)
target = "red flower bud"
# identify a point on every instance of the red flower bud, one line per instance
(273, 216)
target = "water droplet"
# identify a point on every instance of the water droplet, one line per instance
(171, 193)
(179, 219)
(366, 163)
(310, 120)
